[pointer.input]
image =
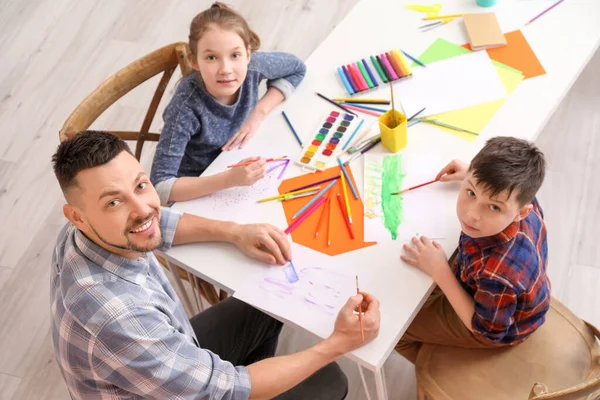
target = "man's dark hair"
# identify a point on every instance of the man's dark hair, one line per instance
(87, 149)
(507, 163)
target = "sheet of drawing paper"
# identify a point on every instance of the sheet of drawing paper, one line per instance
(451, 84)
(399, 217)
(310, 296)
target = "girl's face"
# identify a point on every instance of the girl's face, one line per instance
(222, 62)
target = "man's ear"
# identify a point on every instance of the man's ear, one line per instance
(74, 215)
(523, 212)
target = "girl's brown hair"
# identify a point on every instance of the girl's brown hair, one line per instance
(226, 18)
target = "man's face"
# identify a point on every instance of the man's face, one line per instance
(116, 206)
(481, 215)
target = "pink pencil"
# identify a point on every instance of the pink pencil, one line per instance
(362, 110)
(305, 215)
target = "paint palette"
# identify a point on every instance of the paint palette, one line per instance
(332, 133)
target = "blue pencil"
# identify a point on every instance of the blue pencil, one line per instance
(345, 81)
(321, 193)
(292, 127)
(348, 178)
(352, 136)
(414, 59)
(363, 106)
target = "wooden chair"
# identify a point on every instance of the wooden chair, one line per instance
(558, 361)
(164, 60)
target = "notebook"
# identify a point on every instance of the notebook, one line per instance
(484, 31)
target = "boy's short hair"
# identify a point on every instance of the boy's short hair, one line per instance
(87, 149)
(508, 163)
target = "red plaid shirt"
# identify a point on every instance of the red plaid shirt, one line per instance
(506, 276)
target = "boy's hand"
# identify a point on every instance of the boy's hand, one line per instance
(248, 175)
(455, 171)
(426, 255)
(245, 133)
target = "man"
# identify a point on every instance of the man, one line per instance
(119, 330)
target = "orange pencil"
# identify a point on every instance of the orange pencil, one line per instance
(321, 218)
(251, 162)
(362, 331)
(345, 216)
(329, 224)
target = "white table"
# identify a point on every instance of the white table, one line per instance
(564, 40)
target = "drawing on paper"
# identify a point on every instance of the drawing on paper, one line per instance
(383, 176)
(314, 289)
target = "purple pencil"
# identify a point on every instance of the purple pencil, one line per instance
(544, 12)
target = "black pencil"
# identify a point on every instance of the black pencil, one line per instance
(336, 104)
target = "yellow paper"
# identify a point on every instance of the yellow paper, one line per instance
(475, 118)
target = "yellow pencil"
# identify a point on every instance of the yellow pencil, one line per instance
(361, 100)
(346, 196)
(443, 17)
(287, 194)
(329, 224)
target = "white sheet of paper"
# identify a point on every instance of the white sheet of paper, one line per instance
(451, 84)
(312, 302)
(422, 211)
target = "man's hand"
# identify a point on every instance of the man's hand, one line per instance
(263, 242)
(426, 255)
(247, 175)
(455, 171)
(346, 334)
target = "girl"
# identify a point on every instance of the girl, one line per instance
(217, 108)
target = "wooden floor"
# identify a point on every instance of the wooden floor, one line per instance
(55, 52)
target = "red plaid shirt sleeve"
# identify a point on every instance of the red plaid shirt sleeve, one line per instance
(495, 305)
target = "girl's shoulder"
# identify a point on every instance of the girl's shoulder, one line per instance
(188, 95)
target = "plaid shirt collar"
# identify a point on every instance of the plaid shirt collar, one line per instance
(501, 238)
(134, 271)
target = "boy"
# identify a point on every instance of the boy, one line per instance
(495, 292)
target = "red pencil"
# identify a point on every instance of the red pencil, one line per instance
(321, 217)
(345, 216)
(416, 187)
(305, 215)
(250, 162)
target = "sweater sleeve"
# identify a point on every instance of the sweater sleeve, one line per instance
(180, 124)
(283, 71)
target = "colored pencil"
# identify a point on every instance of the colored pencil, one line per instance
(362, 331)
(345, 81)
(310, 185)
(353, 133)
(362, 110)
(288, 197)
(443, 124)
(430, 25)
(415, 187)
(443, 17)
(346, 197)
(348, 179)
(414, 59)
(362, 100)
(292, 127)
(359, 105)
(345, 216)
(321, 218)
(417, 113)
(280, 158)
(310, 189)
(335, 104)
(329, 223)
(320, 194)
(295, 224)
(544, 12)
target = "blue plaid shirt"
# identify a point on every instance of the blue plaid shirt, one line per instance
(120, 331)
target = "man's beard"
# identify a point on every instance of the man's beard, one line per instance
(131, 246)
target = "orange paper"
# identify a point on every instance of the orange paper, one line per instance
(516, 54)
(304, 234)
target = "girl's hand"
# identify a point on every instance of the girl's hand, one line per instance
(248, 175)
(246, 131)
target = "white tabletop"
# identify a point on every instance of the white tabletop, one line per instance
(563, 40)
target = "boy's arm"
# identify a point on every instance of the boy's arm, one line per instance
(461, 301)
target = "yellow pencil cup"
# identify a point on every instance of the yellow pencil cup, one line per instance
(393, 137)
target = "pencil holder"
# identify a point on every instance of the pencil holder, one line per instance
(393, 137)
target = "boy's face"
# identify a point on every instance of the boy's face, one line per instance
(222, 61)
(482, 216)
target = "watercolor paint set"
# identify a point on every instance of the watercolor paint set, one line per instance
(331, 134)
(359, 76)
